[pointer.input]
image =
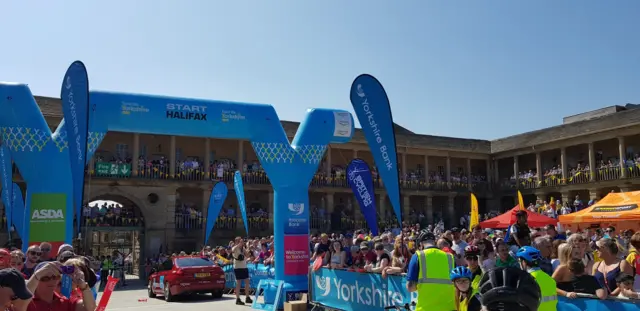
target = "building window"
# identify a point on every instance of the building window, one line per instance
(143, 151)
(178, 154)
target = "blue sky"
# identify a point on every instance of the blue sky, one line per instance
(474, 69)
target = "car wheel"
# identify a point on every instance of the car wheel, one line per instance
(217, 293)
(150, 291)
(167, 293)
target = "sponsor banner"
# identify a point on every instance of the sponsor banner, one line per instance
(296, 254)
(74, 96)
(239, 188)
(361, 182)
(344, 290)
(297, 219)
(257, 272)
(216, 200)
(48, 214)
(113, 169)
(186, 112)
(614, 209)
(371, 105)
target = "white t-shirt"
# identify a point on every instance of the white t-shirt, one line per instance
(238, 264)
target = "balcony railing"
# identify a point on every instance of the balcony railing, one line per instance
(320, 180)
(575, 178)
(112, 221)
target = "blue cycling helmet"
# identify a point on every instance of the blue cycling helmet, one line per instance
(528, 253)
(460, 273)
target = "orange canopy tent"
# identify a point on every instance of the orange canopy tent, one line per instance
(534, 220)
(620, 210)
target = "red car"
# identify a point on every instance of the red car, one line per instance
(186, 275)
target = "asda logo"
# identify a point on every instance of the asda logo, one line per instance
(47, 215)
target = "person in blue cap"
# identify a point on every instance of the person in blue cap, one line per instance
(467, 297)
(529, 259)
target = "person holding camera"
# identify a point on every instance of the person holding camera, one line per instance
(240, 270)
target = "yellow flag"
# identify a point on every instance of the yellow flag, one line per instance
(475, 217)
(520, 200)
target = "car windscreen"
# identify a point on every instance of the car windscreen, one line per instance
(193, 262)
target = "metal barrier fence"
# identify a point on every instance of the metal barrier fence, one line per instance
(112, 221)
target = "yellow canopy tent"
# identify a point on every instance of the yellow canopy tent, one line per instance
(621, 210)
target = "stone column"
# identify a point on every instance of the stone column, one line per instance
(622, 151)
(170, 211)
(489, 177)
(172, 157)
(207, 158)
(429, 208)
(136, 153)
(566, 197)
(592, 163)
(404, 165)
(451, 210)
(240, 160)
(538, 168)
(406, 207)
(330, 205)
(382, 205)
(540, 196)
(496, 172)
(355, 153)
(516, 168)
(469, 183)
(448, 170)
(426, 168)
(563, 164)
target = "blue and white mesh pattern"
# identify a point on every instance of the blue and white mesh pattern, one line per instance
(25, 138)
(274, 152)
(312, 154)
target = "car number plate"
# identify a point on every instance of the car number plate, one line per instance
(203, 275)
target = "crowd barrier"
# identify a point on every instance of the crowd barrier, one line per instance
(345, 290)
(257, 272)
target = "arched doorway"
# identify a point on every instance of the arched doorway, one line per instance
(113, 225)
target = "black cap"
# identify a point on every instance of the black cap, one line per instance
(66, 255)
(13, 279)
(455, 230)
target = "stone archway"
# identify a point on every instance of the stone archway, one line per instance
(113, 223)
(124, 213)
(116, 194)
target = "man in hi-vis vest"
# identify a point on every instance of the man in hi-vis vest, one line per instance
(429, 275)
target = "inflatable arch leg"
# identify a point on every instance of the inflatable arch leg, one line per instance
(289, 166)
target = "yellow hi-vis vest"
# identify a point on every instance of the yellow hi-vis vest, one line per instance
(549, 300)
(465, 302)
(475, 283)
(435, 291)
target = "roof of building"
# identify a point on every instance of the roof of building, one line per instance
(600, 120)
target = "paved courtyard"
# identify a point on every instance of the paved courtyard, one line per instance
(133, 297)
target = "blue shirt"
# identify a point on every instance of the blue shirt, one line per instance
(414, 267)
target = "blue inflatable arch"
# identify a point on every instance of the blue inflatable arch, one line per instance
(43, 160)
